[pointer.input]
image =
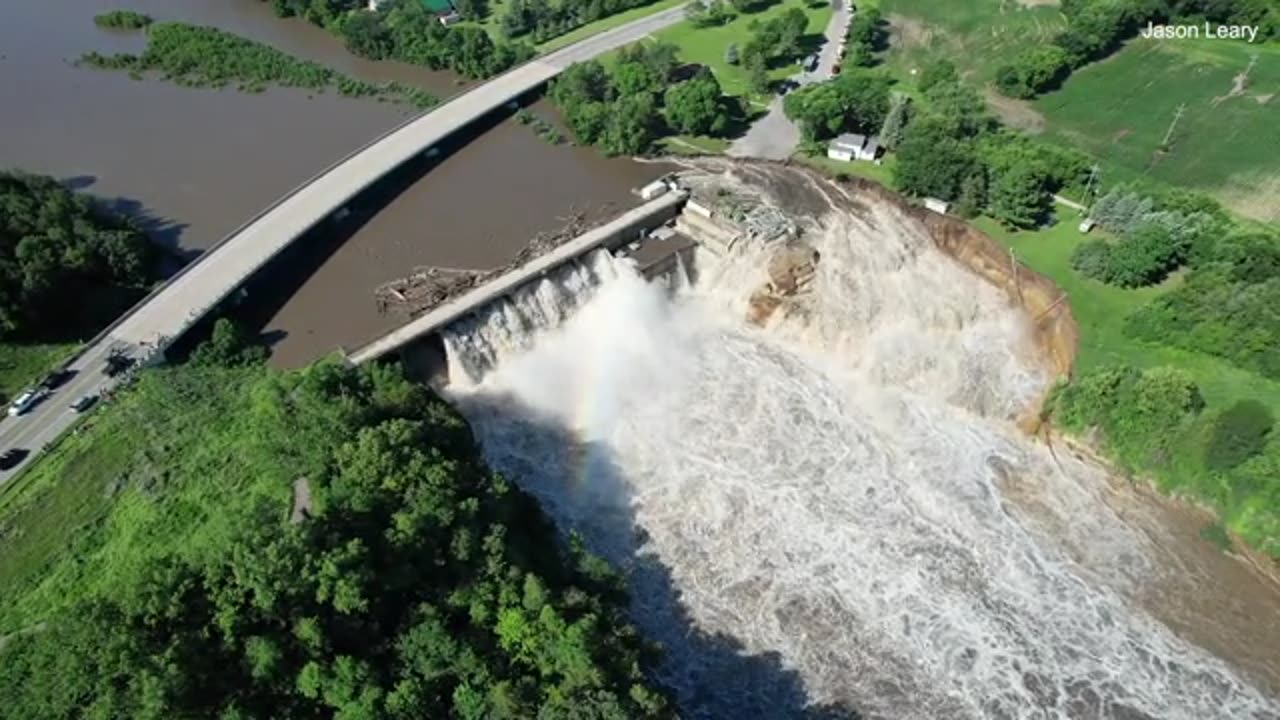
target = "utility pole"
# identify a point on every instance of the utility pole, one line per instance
(1174, 123)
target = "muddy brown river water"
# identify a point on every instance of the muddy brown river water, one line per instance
(196, 163)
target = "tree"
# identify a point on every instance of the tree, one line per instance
(933, 163)
(229, 345)
(791, 26)
(961, 110)
(365, 35)
(695, 106)
(731, 54)
(895, 122)
(52, 241)
(1239, 433)
(852, 101)
(581, 82)
(937, 72)
(634, 78)
(758, 74)
(1035, 71)
(631, 126)
(1019, 198)
(476, 10)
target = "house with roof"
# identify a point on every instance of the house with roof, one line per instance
(444, 10)
(852, 146)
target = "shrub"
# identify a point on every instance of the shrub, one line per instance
(1092, 259)
(122, 20)
(1238, 433)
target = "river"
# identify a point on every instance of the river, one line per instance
(193, 164)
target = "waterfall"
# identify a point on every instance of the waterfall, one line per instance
(833, 509)
(477, 343)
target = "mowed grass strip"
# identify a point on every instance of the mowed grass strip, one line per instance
(1226, 144)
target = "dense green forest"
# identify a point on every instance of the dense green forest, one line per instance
(405, 30)
(200, 56)
(627, 105)
(322, 543)
(53, 240)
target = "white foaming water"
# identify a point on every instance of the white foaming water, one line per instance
(822, 512)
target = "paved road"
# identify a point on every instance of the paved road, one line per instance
(774, 136)
(189, 295)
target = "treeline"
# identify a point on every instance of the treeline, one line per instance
(1096, 28)
(61, 255)
(200, 56)
(407, 580)
(1155, 421)
(625, 107)
(405, 30)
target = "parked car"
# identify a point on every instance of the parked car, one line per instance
(811, 63)
(84, 402)
(26, 401)
(11, 457)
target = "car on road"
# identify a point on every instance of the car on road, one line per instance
(811, 63)
(11, 457)
(84, 402)
(26, 401)
(55, 379)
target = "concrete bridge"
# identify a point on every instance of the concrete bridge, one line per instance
(173, 308)
(187, 297)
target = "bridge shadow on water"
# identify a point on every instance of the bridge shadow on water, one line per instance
(711, 676)
(268, 290)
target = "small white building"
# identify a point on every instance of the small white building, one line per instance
(936, 205)
(851, 146)
(1086, 225)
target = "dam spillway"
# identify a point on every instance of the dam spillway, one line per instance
(835, 512)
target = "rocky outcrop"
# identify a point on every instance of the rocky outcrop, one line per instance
(791, 271)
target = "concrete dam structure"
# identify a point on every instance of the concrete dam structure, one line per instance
(655, 255)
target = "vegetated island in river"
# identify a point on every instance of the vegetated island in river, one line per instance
(201, 56)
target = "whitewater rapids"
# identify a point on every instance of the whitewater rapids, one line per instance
(834, 513)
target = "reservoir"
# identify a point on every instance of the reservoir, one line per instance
(194, 164)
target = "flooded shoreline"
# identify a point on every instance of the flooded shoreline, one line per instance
(194, 164)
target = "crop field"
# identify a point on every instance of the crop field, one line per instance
(707, 45)
(1227, 142)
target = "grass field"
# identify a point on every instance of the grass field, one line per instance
(1226, 146)
(977, 35)
(134, 481)
(707, 45)
(20, 365)
(882, 173)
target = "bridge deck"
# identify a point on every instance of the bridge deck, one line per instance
(187, 297)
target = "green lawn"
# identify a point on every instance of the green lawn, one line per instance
(882, 173)
(693, 145)
(21, 365)
(706, 46)
(608, 23)
(1228, 147)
